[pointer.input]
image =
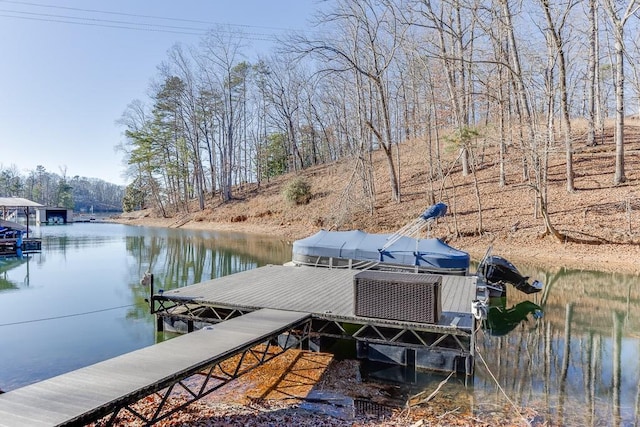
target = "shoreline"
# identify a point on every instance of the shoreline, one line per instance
(539, 252)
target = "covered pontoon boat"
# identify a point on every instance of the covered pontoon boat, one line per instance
(358, 249)
(403, 251)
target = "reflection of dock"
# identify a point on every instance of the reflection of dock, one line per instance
(8, 263)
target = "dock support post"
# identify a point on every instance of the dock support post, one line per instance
(151, 292)
(152, 303)
(468, 366)
(410, 374)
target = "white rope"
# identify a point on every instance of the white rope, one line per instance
(434, 393)
(515, 408)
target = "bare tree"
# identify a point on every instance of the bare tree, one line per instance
(221, 53)
(454, 34)
(633, 53)
(555, 32)
(369, 38)
(539, 184)
(190, 117)
(593, 75)
(618, 18)
(284, 87)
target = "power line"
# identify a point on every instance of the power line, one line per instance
(109, 21)
(128, 26)
(65, 316)
(85, 18)
(90, 24)
(195, 21)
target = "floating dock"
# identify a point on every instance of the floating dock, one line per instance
(409, 319)
(19, 247)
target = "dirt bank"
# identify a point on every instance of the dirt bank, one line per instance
(540, 251)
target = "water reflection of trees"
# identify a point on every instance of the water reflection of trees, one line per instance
(179, 258)
(580, 361)
(10, 263)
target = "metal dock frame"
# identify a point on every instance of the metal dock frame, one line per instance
(444, 341)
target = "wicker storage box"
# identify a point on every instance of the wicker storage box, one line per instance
(411, 297)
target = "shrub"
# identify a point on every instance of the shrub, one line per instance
(239, 218)
(298, 192)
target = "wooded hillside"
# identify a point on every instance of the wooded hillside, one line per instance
(81, 194)
(601, 220)
(532, 82)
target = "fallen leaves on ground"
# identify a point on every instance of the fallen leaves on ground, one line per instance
(313, 389)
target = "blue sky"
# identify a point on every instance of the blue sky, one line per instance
(63, 86)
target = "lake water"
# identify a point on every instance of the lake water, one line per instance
(572, 352)
(80, 300)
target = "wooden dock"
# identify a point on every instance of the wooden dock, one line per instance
(323, 292)
(106, 388)
(328, 295)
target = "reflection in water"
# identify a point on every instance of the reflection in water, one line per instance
(501, 320)
(8, 263)
(180, 258)
(579, 364)
(80, 301)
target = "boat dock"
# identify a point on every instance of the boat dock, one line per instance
(107, 389)
(413, 320)
(14, 237)
(410, 319)
(19, 247)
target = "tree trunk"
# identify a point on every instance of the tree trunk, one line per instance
(555, 32)
(387, 140)
(591, 78)
(618, 23)
(619, 177)
(502, 108)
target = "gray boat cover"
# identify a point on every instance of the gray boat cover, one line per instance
(359, 245)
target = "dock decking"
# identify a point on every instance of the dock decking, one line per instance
(103, 389)
(265, 307)
(328, 295)
(323, 292)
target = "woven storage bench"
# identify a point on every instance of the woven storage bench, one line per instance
(411, 297)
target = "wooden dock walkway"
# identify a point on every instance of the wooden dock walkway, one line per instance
(105, 388)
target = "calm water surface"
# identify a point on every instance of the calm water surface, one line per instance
(571, 353)
(80, 300)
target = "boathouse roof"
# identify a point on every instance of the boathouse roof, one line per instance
(18, 202)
